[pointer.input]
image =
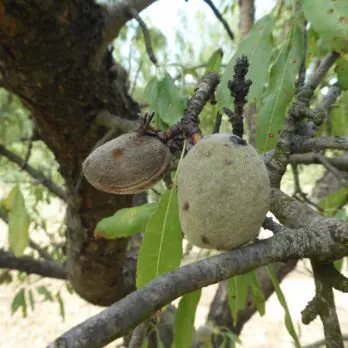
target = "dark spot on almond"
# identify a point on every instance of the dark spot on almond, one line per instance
(330, 10)
(186, 206)
(204, 239)
(228, 162)
(237, 140)
(117, 153)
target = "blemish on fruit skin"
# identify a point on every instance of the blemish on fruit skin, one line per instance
(186, 206)
(117, 153)
(237, 140)
(228, 162)
(204, 239)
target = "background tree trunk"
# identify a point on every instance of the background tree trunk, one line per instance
(48, 53)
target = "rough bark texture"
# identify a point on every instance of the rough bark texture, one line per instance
(48, 55)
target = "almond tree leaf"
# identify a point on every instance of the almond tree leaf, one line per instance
(42, 290)
(31, 299)
(330, 20)
(19, 302)
(342, 73)
(279, 92)
(237, 292)
(125, 222)
(287, 317)
(61, 305)
(161, 248)
(339, 117)
(214, 62)
(170, 105)
(334, 200)
(257, 46)
(18, 223)
(151, 92)
(184, 319)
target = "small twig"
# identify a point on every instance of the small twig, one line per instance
(299, 194)
(271, 225)
(42, 179)
(134, 13)
(322, 159)
(217, 125)
(188, 125)
(341, 163)
(336, 279)
(29, 265)
(239, 88)
(139, 334)
(302, 74)
(302, 145)
(108, 120)
(136, 78)
(219, 16)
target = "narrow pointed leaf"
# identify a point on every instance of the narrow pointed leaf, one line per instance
(334, 200)
(279, 92)
(19, 301)
(161, 248)
(257, 46)
(125, 222)
(287, 317)
(18, 223)
(184, 319)
(342, 73)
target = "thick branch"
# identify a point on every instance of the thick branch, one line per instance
(51, 186)
(29, 265)
(139, 305)
(118, 15)
(246, 16)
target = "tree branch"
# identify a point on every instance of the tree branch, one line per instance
(118, 15)
(219, 16)
(51, 186)
(134, 13)
(326, 306)
(140, 304)
(340, 163)
(29, 265)
(246, 16)
(302, 145)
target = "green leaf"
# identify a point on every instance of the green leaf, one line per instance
(184, 319)
(288, 321)
(18, 223)
(334, 200)
(214, 62)
(125, 222)
(257, 46)
(31, 299)
(342, 73)
(161, 248)
(339, 116)
(151, 92)
(237, 289)
(165, 100)
(279, 92)
(338, 264)
(19, 302)
(42, 290)
(170, 105)
(61, 305)
(330, 20)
